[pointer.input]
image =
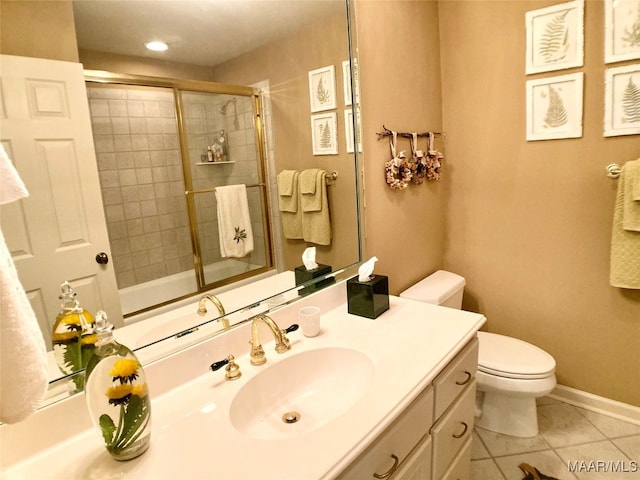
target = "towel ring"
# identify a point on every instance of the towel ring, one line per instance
(613, 170)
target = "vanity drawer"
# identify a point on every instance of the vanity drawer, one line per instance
(451, 432)
(455, 377)
(399, 439)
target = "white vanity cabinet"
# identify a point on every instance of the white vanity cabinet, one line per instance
(454, 408)
(431, 440)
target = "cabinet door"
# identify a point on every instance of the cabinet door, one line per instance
(417, 466)
(396, 443)
(460, 468)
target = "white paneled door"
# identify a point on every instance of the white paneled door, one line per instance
(56, 233)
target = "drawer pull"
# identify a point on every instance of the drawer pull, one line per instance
(389, 472)
(466, 380)
(466, 427)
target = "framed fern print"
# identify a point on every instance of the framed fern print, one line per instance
(352, 137)
(555, 37)
(622, 30)
(322, 89)
(554, 107)
(622, 101)
(324, 133)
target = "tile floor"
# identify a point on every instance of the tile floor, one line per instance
(573, 444)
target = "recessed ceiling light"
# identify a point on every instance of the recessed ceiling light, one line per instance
(156, 46)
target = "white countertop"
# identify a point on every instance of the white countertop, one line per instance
(193, 437)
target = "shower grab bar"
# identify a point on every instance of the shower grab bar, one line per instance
(208, 190)
(613, 170)
(333, 176)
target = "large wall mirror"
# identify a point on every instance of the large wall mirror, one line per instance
(237, 74)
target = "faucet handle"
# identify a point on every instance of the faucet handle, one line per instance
(291, 328)
(232, 371)
(285, 345)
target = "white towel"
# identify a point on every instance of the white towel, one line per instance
(234, 221)
(23, 354)
(11, 185)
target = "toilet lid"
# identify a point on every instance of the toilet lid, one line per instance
(509, 357)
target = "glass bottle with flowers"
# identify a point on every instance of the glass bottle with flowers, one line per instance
(72, 336)
(117, 395)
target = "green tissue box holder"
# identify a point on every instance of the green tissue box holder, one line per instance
(368, 299)
(302, 275)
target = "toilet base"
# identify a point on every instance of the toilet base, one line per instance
(509, 415)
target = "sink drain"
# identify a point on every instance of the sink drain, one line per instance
(291, 417)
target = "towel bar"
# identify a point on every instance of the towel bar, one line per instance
(208, 190)
(613, 170)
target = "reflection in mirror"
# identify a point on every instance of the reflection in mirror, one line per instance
(153, 144)
(271, 48)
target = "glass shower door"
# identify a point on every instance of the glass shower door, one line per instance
(222, 136)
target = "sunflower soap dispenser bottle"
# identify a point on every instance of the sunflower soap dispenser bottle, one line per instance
(117, 395)
(72, 335)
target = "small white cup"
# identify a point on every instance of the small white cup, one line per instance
(309, 319)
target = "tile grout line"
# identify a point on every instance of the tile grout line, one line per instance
(607, 437)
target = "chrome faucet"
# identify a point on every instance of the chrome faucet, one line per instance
(202, 309)
(282, 342)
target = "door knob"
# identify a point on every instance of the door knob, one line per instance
(102, 258)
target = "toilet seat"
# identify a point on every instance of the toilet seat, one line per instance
(509, 357)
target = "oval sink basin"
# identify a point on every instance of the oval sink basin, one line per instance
(301, 393)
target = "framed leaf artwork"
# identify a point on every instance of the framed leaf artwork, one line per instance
(622, 101)
(352, 137)
(346, 80)
(622, 30)
(554, 107)
(322, 89)
(555, 37)
(324, 133)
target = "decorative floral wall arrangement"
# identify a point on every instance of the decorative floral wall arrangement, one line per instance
(322, 89)
(555, 37)
(622, 30)
(554, 107)
(622, 101)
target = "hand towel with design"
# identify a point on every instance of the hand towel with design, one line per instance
(234, 221)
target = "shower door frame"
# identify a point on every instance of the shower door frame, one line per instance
(178, 86)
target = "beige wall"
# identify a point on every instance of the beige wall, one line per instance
(38, 29)
(399, 56)
(112, 62)
(287, 71)
(527, 223)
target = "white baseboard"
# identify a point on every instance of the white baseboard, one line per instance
(612, 408)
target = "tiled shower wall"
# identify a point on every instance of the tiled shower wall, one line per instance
(138, 151)
(204, 115)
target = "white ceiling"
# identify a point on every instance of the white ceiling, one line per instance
(199, 32)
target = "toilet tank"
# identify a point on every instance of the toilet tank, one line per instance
(440, 288)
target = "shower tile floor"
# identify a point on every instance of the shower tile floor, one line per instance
(573, 444)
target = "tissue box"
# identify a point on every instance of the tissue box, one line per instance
(368, 299)
(303, 275)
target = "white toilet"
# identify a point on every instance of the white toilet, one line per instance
(511, 373)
